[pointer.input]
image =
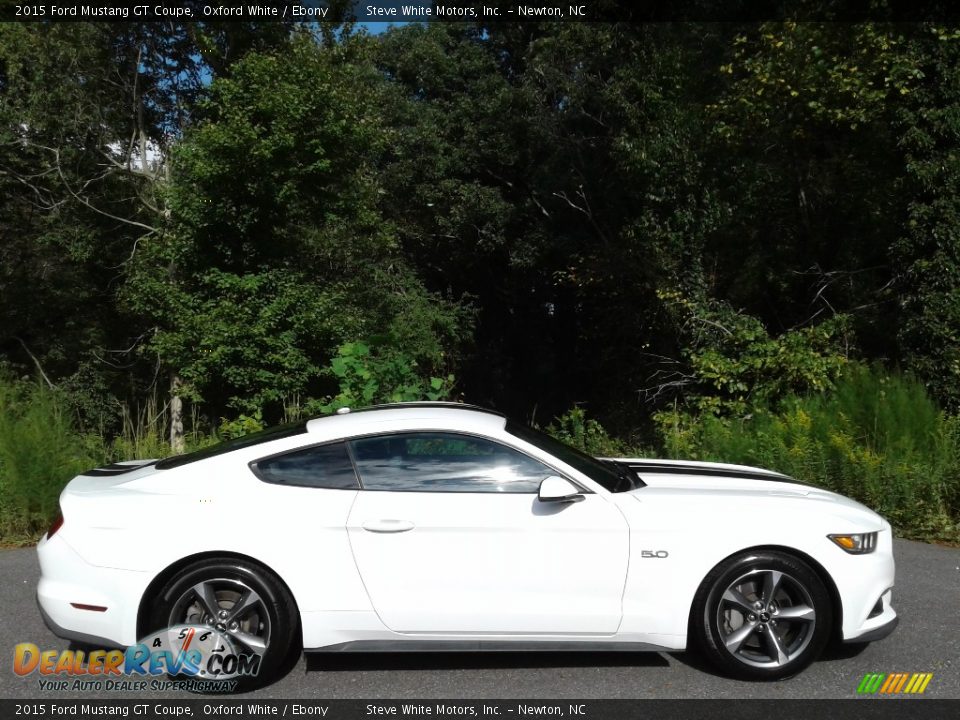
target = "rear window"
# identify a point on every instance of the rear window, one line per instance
(277, 432)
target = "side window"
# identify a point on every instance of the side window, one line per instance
(324, 466)
(445, 462)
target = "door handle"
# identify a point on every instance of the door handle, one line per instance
(388, 526)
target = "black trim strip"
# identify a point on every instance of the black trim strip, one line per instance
(277, 432)
(117, 469)
(680, 469)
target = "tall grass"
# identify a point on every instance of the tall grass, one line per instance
(877, 437)
(39, 452)
(143, 433)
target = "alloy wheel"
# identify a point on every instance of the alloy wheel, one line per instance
(766, 618)
(228, 606)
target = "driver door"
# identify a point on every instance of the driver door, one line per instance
(449, 537)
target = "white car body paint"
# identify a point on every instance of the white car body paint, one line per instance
(368, 565)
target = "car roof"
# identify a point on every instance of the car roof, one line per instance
(414, 412)
(395, 417)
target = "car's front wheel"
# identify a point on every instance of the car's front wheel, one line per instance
(762, 615)
(242, 603)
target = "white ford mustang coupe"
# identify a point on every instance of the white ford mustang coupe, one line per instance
(434, 526)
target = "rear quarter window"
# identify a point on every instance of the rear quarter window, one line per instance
(321, 466)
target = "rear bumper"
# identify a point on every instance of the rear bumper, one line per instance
(73, 635)
(67, 579)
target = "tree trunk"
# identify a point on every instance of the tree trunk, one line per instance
(176, 415)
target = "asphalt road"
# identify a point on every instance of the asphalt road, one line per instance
(927, 597)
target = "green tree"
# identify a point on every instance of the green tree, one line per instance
(808, 155)
(76, 114)
(927, 253)
(279, 253)
(88, 116)
(841, 147)
(550, 171)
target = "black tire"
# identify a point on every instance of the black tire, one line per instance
(745, 635)
(272, 619)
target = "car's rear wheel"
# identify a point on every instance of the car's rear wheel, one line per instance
(243, 603)
(762, 615)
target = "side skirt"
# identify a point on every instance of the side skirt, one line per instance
(383, 646)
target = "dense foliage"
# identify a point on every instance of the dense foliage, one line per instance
(687, 233)
(876, 438)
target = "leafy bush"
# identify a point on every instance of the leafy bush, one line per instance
(734, 365)
(243, 425)
(587, 434)
(877, 437)
(367, 377)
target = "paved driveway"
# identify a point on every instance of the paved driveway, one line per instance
(927, 597)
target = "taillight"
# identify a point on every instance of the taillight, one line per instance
(57, 524)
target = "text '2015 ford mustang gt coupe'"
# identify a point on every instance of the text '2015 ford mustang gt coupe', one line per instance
(432, 526)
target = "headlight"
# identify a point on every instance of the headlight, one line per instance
(856, 544)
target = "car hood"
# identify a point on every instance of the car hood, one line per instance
(724, 481)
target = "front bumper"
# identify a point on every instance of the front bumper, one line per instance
(865, 586)
(878, 633)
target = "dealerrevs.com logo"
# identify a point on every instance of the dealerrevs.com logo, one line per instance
(201, 657)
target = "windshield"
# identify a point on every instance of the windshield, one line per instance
(610, 475)
(274, 433)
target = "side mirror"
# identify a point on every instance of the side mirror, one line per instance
(559, 490)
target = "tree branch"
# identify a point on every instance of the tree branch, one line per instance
(36, 362)
(88, 204)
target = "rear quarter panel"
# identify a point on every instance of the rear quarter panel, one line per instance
(219, 505)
